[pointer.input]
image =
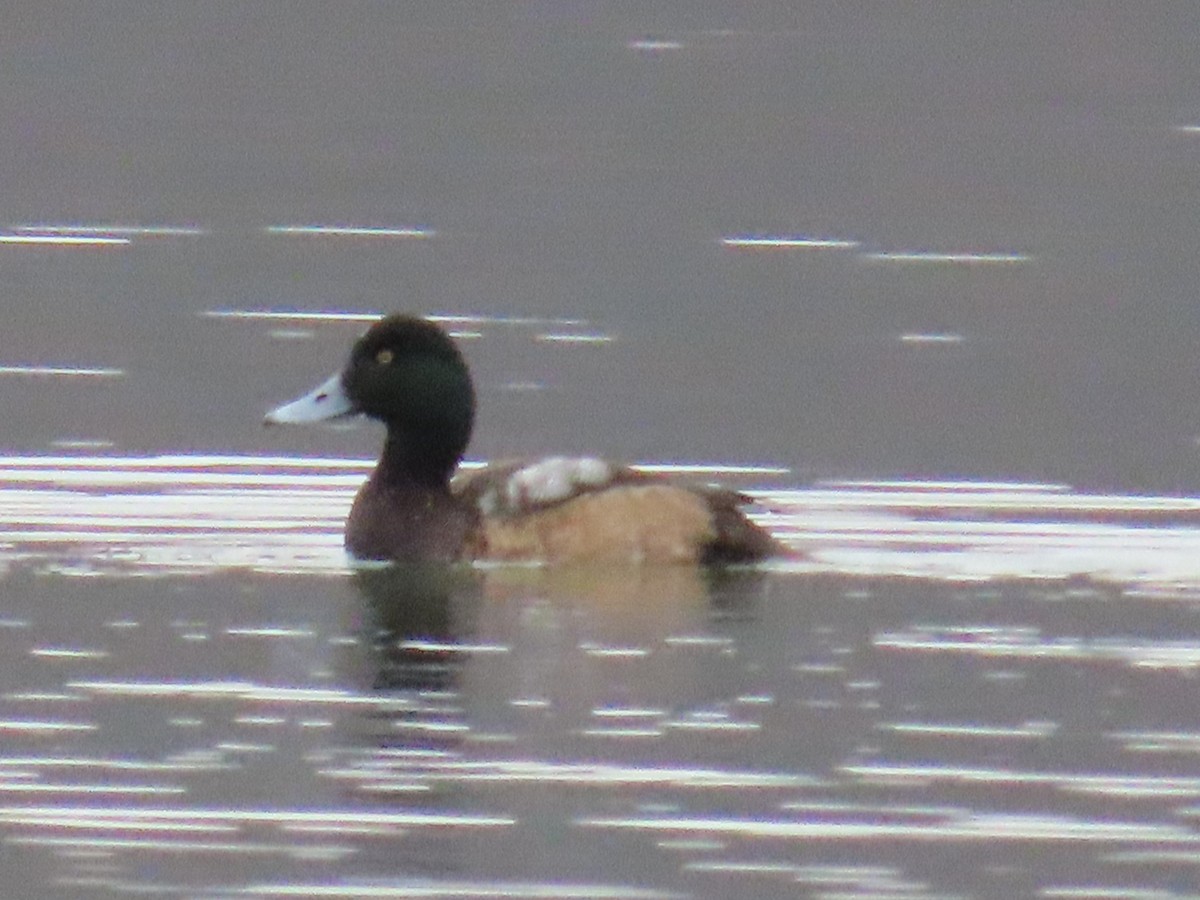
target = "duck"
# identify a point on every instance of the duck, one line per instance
(418, 505)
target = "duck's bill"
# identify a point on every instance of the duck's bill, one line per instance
(327, 400)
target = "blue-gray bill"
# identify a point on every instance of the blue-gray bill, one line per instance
(327, 400)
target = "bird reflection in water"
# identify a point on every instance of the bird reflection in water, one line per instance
(471, 644)
(417, 617)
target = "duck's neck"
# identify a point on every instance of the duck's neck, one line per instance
(405, 511)
(408, 463)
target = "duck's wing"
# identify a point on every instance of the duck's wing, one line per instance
(563, 509)
(518, 487)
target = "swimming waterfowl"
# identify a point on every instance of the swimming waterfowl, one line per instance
(409, 374)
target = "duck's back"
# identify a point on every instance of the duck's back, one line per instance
(581, 509)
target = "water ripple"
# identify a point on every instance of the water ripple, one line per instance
(198, 513)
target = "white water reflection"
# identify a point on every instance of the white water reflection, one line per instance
(971, 827)
(967, 530)
(786, 242)
(561, 338)
(111, 230)
(62, 371)
(32, 815)
(275, 513)
(64, 240)
(1116, 785)
(369, 231)
(928, 256)
(1028, 643)
(30, 726)
(930, 338)
(655, 45)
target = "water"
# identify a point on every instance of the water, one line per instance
(918, 278)
(961, 689)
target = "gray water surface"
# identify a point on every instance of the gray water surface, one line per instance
(576, 734)
(964, 689)
(920, 278)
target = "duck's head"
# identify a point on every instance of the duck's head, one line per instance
(407, 373)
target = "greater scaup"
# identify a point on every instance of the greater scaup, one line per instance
(408, 373)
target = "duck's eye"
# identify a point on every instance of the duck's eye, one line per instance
(383, 357)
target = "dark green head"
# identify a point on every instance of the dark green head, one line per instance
(407, 373)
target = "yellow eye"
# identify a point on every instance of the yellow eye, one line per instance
(383, 357)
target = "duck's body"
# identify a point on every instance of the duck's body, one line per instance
(408, 373)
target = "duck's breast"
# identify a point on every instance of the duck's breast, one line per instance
(408, 524)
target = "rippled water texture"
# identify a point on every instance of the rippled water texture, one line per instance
(190, 513)
(920, 279)
(203, 698)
